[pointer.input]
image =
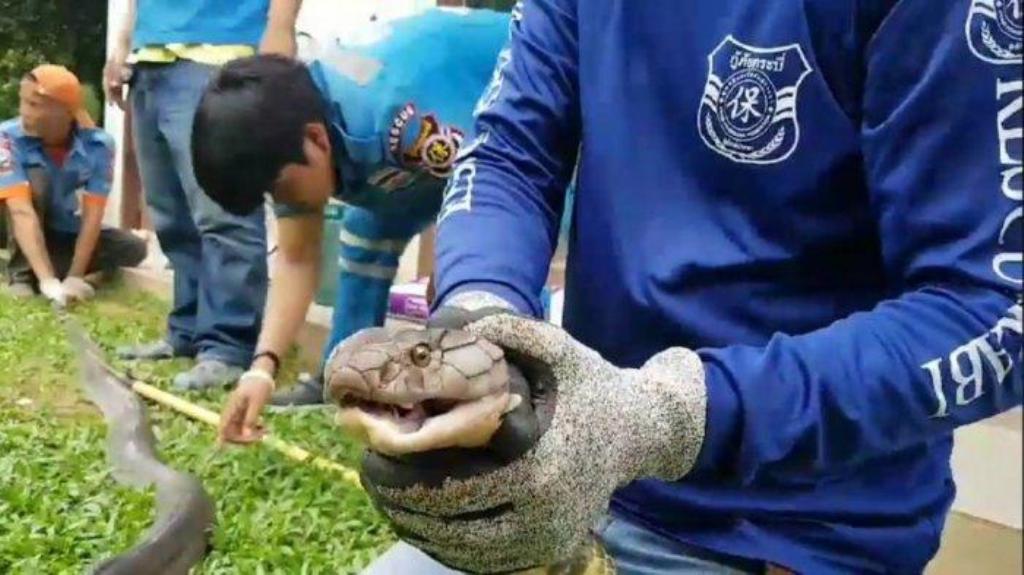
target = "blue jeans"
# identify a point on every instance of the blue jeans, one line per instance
(635, 550)
(219, 260)
(371, 244)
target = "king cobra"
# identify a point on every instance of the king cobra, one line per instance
(179, 537)
(410, 392)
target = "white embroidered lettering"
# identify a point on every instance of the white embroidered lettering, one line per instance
(970, 363)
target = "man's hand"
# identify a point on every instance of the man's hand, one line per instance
(76, 288)
(240, 418)
(116, 74)
(520, 428)
(602, 427)
(53, 290)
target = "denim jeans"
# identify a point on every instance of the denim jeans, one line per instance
(634, 549)
(371, 245)
(219, 260)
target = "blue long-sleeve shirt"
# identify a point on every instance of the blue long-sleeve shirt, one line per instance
(822, 197)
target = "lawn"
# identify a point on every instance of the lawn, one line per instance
(60, 509)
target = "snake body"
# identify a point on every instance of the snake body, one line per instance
(411, 392)
(179, 537)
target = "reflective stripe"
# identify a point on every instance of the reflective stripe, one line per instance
(90, 199)
(21, 190)
(368, 270)
(392, 246)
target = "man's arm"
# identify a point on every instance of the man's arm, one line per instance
(28, 232)
(114, 70)
(942, 145)
(88, 235)
(123, 38)
(16, 191)
(94, 202)
(511, 179)
(279, 37)
(941, 137)
(293, 283)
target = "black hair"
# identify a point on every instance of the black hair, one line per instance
(250, 124)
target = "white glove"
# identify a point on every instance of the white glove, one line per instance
(76, 288)
(53, 290)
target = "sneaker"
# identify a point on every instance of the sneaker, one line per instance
(152, 351)
(20, 290)
(307, 393)
(208, 373)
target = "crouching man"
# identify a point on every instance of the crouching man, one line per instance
(55, 173)
(377, 126)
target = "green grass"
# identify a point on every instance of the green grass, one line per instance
(61, 511)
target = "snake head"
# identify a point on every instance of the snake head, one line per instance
(413, 390)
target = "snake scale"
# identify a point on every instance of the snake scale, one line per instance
(410, 392)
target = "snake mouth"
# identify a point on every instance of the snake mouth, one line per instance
(395, 427)
(408, 417)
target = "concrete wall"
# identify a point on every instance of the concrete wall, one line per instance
(987, 465)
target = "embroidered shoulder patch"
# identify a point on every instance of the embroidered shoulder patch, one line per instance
(421, 141)
(6, 156)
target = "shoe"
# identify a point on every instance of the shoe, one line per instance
(20, 290)
(152, 351)
(307, 393)
(208, 373)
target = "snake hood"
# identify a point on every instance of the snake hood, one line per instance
(416, 390)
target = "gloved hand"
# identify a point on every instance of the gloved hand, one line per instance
(517, 433)
(76, 288)
(520, 427)
(602, 427)
(53, 290)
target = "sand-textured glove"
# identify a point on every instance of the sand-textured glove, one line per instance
(601, 427)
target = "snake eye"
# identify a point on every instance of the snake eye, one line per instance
(420, 355)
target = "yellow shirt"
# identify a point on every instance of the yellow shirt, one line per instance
(214, 55)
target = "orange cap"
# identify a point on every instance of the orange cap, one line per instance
(61, 85)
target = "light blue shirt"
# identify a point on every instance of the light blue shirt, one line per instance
(220, 22)
(401, 107)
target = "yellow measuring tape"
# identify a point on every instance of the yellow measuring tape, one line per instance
(211, 418)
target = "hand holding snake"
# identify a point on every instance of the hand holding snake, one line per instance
(491, 473)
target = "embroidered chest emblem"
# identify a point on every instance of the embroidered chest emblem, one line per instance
(748, 112)
(994, 30)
